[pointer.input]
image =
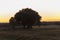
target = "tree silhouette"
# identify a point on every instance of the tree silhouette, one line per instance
(27, 17)
(12, 22)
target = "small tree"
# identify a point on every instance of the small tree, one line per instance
(12, 22)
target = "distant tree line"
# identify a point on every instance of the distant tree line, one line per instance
(51, 23)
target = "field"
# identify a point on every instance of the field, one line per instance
(47, 32)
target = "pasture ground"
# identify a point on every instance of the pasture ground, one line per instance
(48, 32)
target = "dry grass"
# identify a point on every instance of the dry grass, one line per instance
(42, 33)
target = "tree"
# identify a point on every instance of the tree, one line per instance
(27, 17)
(12, 22)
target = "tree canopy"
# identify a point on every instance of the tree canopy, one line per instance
(27, 16)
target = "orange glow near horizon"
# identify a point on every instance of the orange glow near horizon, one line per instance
(50, 19)
(4, 20)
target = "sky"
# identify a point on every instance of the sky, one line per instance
(48, 9)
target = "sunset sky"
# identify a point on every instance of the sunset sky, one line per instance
(48, 9)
